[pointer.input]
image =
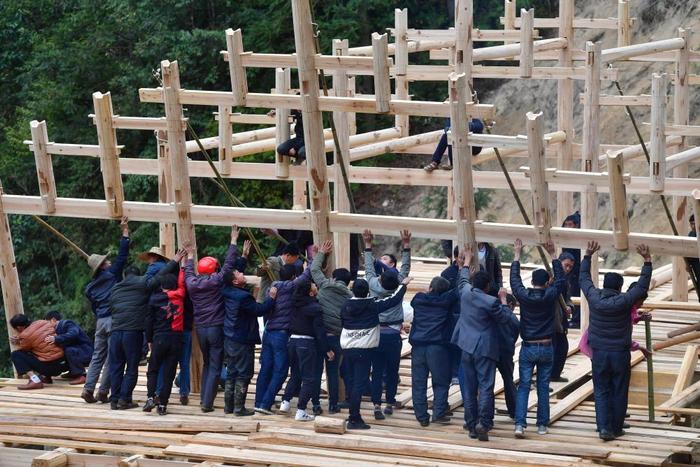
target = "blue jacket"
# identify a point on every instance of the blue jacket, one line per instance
(281, 316)
(360, 318)
(241, 317)
(99, 289)
(433, 317)
(451, 273)
(69, 334)
(476, 332)
(539, 308)
(610, 326)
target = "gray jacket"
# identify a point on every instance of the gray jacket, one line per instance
(332, 295)
(393, 315)
(275, 266)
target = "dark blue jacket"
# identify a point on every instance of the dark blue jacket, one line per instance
(610, 326)
(281, 316)
(451, 273)
(241, 316)
(362, 313)
(69, 334)
(99, 289)
(509, 333)
(538, 307)
(433, 320)
(572, 277)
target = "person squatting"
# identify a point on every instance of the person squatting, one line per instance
(462, 331)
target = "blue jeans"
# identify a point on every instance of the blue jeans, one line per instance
(274, 366)
(532, 355)
(211, 343)
(433, 359)
(385, 367)
(124, 358)
(479, 376)
(184, 375)
(611, 381)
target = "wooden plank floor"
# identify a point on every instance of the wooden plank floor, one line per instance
(57, 417)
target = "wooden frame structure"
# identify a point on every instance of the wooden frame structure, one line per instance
(388, 62)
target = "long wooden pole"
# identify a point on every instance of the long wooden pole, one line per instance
(565, 106)
(9, 277)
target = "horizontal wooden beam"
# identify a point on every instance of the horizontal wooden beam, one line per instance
(137, 123)
(630, 51)
(682, 130)
(579, 23)
(63, 149)
(613, 100)
(553, 72)
(485, 35)
(684, 157)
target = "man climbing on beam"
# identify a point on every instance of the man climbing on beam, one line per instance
(294, 147)
(475, 126)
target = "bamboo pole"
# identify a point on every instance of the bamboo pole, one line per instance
(65, 239)
(565, 106)
(9, 277)
(618, 201)
(44, 167)
(109, 153)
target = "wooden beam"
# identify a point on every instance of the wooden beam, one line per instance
(512, 72)
(618, 201)
(540, 193)
(56, 458)
(44, 166)
(382, 83)
(687, 370)
(109, 153)
(464, 45)
(225, 139)
(509, 17)
(239, 82)
(166, 230)
(565, 107)
(387, 147)
(341, 202)
(623, 23)
(513, 51)
(613, 100)
(682, 130)
(526, 47)
(138, 123)
(401, 67)
(319, 195)
(579, 23)
(630, 51)
(657, 152)
(283, 83)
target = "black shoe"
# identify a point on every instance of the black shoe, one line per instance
(103, 396)
(114, 405)
(378, 415)
(481, 432)
(560, 379)
(472, 433)
(551, 389)
(243, 412)
(389, 409)
(162, 410)
(620, 433)
(88, 396)
(149, 405)
(207, 409)
(627, 415)
(424, 423)
(317, 410)
(449, 413)
(358, 425)
(124, 405)
(333, 409)
(344, 405)
(626, 425)
(184, 400)
(444, 420)
(605, 435)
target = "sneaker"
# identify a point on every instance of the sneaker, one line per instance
(263, 411)
(333, 409)
(430, 167)
(317, 409)
(358, 425)
(113, 405)
(302, 416)
(389, 409)
(542, 430)
(162, 410)
(103, 396)
(378, 415)
(88, 396)
(424, 423)
(626, 425)
(481, 432)
(184, 400)
(149, 405)
(284, 406)
(444, 420)
(472, 433)
(519, 431)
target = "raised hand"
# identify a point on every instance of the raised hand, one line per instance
(124, 224)
(550, 248)
(188, 246)
(518, 249)
(326, 247)
(368, 238)
(235, 232)
(406, 238)
(246, 248)
(273, 293)
(592, 248)
(179, 254)
(644, 252)
(502, 295)
(406, 280)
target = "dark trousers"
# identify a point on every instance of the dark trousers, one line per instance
(611, 381)
(479, 380)
(358, 363)
(211, 343)
(78, 358)
(240, 359)
(561, 348)
(302, 361)
(332, 372)
(531, 356)
(455, 360)
(26, 361)
(433, 360)
(165, 353)
(183, 379)
(505, 368)
(295, 143)
(124, 358)
(274, 366)
(475, 126)
(385, 367)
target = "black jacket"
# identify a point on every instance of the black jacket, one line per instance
(307, 321)
(493, 269)
(433, 317)
(610, 326)
(167, 311)
(298, 123)
(241, 316)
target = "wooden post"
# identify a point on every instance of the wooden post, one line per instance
(225, 139)
(165, 193)
(283, 79)
(109, 153)
(341, 241)
(565, 106)
(657, 166)
(313, 124)
(623, 23)
(401, 61)
(618, 200)
(44, 166)
(540, 192)
(509, 17)
(462, 57)
(382, 83)
(696, 208)
(527, 27)
(464, 207)
(239, 82)
(591, 150)
(681, 116)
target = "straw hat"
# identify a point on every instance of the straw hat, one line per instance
(153, 251)
(95, 261)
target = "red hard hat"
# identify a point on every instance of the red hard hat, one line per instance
(207, 265)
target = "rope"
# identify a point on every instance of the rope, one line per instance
(65, 239)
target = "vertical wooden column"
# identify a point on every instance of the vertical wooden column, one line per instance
(591, 150)
(696, 208)
(464, 209)
(341, 202)
(382, 82)
(623, 23)
(565, 106)
(657, 153)
(225, 139)
(166, 230)
(44, 166)
(464, 24)
(283, 79)
(9, 278)
(352, 116)
(401, 66)
(109, 153)
(239, 81)
(319, 195)
(618, 200)
(527, 27)
(681, 116)
(542, 220)
(509, 17)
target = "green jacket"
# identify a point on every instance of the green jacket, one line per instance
(332, 295)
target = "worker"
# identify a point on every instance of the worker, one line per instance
(105, 275)
(451, 274)
(294, 147)
(475, 126)
(693, 263)
(509, 333)
(560, 341)
(538, 314)
(155, 259)
(573, 221)
(269, 271)
(37, 357)
(610, 338)
(75, 343)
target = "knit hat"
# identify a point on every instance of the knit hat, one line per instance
(575, 218)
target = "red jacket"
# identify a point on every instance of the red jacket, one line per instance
(167, 310)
